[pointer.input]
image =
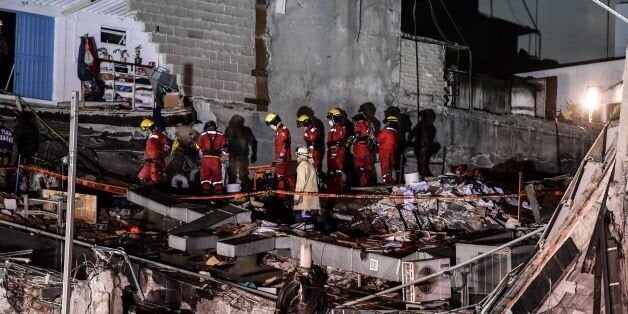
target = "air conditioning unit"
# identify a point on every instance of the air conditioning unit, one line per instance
(438, 288)
(485, 274)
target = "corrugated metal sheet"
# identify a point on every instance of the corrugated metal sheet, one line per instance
(34, 49)
(117, 8)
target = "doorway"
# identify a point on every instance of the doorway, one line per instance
(7, 49)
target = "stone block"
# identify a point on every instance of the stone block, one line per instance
(174, 20)
(173, 59)
(216, 65)
(208, 73)
(230, 86)
(172, 39)
(189, 4)
(231, 67)
(216, 84)
(181, 32)
(222, 95)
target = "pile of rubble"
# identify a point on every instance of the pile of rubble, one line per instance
(444, 204)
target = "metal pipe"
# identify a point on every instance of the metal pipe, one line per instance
(69, 214)
(448, 270)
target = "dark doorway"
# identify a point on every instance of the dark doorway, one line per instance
(7, 48)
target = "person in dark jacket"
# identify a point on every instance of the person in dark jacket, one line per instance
(240, 138)
(26, 137)
(425, 145)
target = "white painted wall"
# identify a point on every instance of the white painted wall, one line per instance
(68, 30)
(573, 81)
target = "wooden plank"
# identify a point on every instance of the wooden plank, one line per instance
(86, 205)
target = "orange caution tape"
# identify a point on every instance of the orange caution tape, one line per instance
(108, 188)
(114, 189)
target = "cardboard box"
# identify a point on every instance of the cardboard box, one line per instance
(173, 100)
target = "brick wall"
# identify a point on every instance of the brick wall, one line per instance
(208, 44)
(431, 67)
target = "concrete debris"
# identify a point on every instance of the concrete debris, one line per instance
(394, 215)
(27, 289)
(101, 293)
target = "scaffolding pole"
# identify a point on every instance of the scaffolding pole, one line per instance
(69, 214)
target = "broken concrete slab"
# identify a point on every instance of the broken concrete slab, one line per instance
(216, 217)
(166, 205)
(193, 241)
(246, 245)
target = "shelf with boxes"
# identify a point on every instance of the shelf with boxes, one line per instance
(127, 82)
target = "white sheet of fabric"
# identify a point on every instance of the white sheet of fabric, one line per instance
(307, 181)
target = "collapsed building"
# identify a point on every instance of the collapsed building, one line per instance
(183, 253)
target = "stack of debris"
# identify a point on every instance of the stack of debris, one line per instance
(28, 289)
(443, 204)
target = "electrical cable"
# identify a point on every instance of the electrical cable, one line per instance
(440, 31)
(453, 23)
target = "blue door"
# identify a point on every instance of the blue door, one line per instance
(34, 50)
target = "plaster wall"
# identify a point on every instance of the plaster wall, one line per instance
(485, 140)
(327, 53)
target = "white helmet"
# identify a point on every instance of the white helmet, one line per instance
(302, 151)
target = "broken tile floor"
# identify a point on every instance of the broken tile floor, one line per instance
(235, 256)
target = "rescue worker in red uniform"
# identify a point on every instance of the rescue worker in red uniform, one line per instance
(213, 149)
(283, 156)
(312, 136)
(157, 146)
(387, 143)
(363, 134)
(336, 140)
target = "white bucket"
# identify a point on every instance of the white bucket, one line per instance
(412, 177)
(234, 188)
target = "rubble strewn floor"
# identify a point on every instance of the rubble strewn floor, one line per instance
(429, 215)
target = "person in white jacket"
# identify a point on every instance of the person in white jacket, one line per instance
(306, 206)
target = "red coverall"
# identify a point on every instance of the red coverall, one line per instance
(156, 148)
(387, 142)
(336, 138)
(311, 137)
(361, 152)
(283, 156)
(212, 145)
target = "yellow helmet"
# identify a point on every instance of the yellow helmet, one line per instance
(391, 119)
(272, 118)
(303, 120)
(334, 113)
(146, 124)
